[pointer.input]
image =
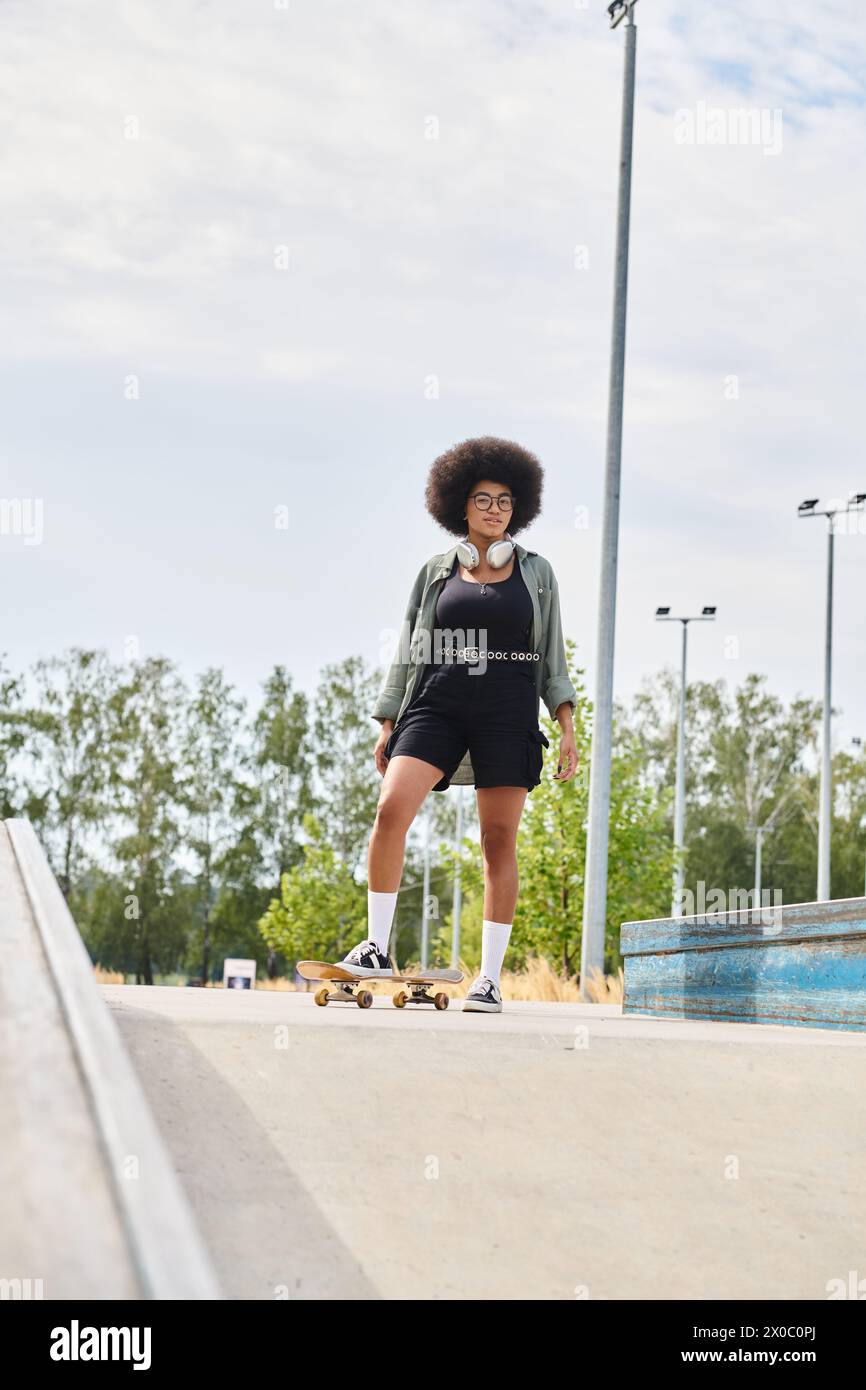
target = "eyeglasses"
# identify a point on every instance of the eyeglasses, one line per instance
(484, 501)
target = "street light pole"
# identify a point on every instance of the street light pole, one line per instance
(663, 615)
(858, 744)
(425, 910)
(595, 875)
(826, 803)
(458, 889)
(680, 804)
(806, 509)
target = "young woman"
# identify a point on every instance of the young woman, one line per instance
(481, 645)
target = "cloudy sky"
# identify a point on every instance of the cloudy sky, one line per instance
(262, 256)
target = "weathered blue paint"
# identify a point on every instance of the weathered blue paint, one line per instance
(800, 964)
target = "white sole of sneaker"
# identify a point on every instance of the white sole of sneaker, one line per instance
(474, 1007)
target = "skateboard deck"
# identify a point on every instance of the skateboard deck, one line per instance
(352, 988)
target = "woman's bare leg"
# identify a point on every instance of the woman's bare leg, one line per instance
(406, 783)
(499, 812)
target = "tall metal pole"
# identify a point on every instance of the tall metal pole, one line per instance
(858, 744)
(856, 503)
(680, 804)
(595, 876)
(664, 615)
(759, 844)
(826, 801)
(857, 741)
(458, 888)
(425, 916)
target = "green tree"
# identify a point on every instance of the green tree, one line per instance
(347, 782)
(280, 763)
(13, 737)
(67, 742)
(108, 914)
(848, 858)
(758, 780)
(213, 720)
(146, 716)
(746, 757)
(321, 911)
(270, 804)
(244, 893)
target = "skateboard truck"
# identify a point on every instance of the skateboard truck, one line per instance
(347, 993)
(419, 994)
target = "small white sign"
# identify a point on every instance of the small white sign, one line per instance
(239, 974)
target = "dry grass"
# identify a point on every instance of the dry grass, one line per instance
(538, 982)
(605, 989)
(108, 977)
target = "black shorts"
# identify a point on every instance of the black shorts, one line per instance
(494, 716)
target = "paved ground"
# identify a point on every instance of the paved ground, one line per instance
(552, 1151)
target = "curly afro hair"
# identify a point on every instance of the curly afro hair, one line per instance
(454, 474)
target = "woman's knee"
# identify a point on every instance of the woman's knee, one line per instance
(393, 815)
(498, 844)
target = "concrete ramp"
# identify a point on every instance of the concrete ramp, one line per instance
(90, 1206)
(553, 1151)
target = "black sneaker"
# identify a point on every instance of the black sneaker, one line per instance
(366, 959)
(484, 997)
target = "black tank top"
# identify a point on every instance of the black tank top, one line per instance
(495, 616)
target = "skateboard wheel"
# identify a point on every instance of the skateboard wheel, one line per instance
(321, 996)
(364, 998)
(441, 1001)
(399, 999)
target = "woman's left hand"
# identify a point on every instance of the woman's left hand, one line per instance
(568, 758)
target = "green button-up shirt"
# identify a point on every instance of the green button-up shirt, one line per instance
(552, 682)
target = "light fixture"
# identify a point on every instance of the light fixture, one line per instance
(618, 11)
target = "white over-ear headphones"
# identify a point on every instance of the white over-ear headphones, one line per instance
(498, 554)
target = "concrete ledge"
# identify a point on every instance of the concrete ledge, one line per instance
(163, 1241)
(802, 965)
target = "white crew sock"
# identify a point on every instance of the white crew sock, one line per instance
(380, 917)
(494, 944)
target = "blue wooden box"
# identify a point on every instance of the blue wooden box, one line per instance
(801, 964)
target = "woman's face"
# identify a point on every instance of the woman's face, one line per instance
(489, 518)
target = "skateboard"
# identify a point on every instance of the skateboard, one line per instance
(350, 988)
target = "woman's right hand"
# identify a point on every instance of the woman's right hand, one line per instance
(379, 751)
